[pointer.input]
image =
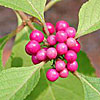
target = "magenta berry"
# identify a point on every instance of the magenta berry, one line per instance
(61, 48)
(45, 48)
(51, 40)
(60, 65)
(50, 28)
(51, 53)
(52, 75)
(71, 42)
(37, 35)
(61, 25)
(77, 47)
(71, 32)
(32, 47)
(35, 60)
(72, 66)
(64, 73)
(61, 36)
(41, 55)
(70, 56)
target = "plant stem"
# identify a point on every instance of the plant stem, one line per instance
(26, 19)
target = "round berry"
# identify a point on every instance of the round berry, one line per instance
(61, 48)
(77, 47)
(50, 28)
(35, 60)
(72, 66)
(51, 40)
(51, 53)
(71, 42)
(71, 32)
(60, 65)
(52, 75)
(64, 73)
(32, 47)
(61, 25)
(41, 55)
(37, 35)
(61, 36)
(70, 56)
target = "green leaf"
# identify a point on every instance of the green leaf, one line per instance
(84, 65)
(1, 65)
(63, 89)
(32, 7)
(17, 83)
(91, 87)
(89, 18)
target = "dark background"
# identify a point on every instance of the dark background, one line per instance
(64, 10)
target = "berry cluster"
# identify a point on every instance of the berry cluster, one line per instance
(61, 47)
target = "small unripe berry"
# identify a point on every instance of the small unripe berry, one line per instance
(61, 36)
(61, 48)
(60, 65)
(41, 55)
(37, 35)
(64, 73)
(32, 47)
(77, 47)
(71, 32)
(72, 66)
(50, 28)
(70, 56)
(35, 60)
(51, 53)
(51, 40)
(52, 75)
(71, 42)
(61, 25)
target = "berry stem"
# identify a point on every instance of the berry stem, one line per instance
(76, 74)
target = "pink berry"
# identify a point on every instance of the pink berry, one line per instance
(71, 42)
(51, 40)
(61, 36)
(37, 35)
(61, 25)
(50, 28)
(71, 32)
(77, 47)
(70, 56)
(60, 65)
(64, 73)
(32, 47)
(52, 75)
(72, 66)
(35, 60)
(51, 53)
(41, 55)
(61, 48)
(45, 48)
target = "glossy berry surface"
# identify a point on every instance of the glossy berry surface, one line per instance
(61, 26)
(51, 53)
(60, 65)
(64, 73)
(72, 66)
(52, 75)
(37, 35)
(50, 28)
(35, 60)
(61, 36)
(32, 47)
(61, 48)
(41, 55)
(77, 47)
(71, 42)
(51, 40)
(70, 56)
(71, 32)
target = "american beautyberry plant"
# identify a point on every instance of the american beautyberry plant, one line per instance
(46, 61)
